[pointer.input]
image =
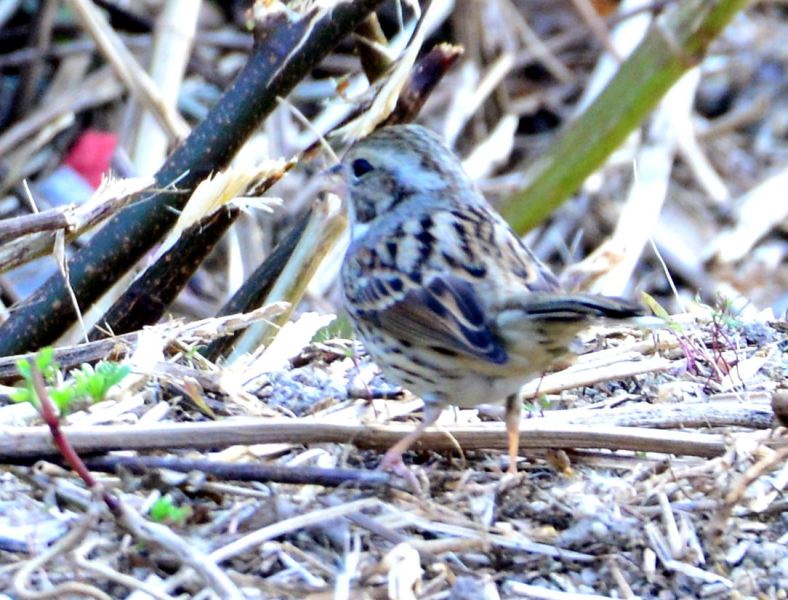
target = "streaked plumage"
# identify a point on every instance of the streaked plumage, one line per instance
(446, 298)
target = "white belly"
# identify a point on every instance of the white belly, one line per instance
(464, 389)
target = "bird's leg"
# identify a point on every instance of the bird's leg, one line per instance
(368, 396)
(514, 407)
(392, 460)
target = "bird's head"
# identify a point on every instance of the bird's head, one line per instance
(396, 166)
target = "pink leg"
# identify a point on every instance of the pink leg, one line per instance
(514, 407)
(392, 460)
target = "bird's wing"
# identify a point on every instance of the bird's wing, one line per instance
(443, 312)
(433, 279)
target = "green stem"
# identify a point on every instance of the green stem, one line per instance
(676, 42)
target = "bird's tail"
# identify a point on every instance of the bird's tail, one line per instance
(577, 307)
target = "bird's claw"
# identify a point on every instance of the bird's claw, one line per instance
(392, 463)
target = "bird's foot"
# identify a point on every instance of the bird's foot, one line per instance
(392, 463)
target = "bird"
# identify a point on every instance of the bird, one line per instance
(445, 297)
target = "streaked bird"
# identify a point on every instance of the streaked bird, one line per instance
(445, 297)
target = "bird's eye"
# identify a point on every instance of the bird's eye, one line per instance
(361, 166)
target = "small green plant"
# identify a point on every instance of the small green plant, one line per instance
(338, 328)
(537, 405)
(87, 383)
(544, 402)
(164, 510)
(660, 312)
(722, 313)
(94, 383)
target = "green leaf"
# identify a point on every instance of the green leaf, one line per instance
(338, 328)
(22, 395)
(23, 366)
(164, 510)
(25, 393)
(62, 398)
(94, 383)
(660, 312)
(87, 382)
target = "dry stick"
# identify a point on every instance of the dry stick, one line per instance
(335, 116)
(21, 163)
(188, 554)
(510, 540)
(526, 590)
(258, 285)
(577, 35)
(579, 376)
(105, 571)
(103, 204)
(757, 214)
(428, 553)
(537, 46)
(221, 39)
(749, 477)
(716, 413)
(493, 76)
(274, 530)
(47, 220)
(128, 69)
(21, 57)
(172, 45)
(123, 345)
(66, 543)
(325, 225)
(154, 533)
(73, 356)
(425, 76)
(374, 61)
(139, 465)
(618, 256)
(597, 26)
(43, 26)
(18, 442)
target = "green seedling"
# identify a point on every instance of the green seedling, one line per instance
(544, 402)
(722, 313)
(338, 328)
(94, 383)
(87, 383)
(164, 510)
(660, 312)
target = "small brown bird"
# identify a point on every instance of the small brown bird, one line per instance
(446, 298)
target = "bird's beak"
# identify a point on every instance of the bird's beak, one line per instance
(334, 171)
(333, 181)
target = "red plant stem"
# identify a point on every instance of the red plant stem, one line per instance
(65, 448)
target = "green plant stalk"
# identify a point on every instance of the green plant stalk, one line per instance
(676, 42)
(286, 50)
